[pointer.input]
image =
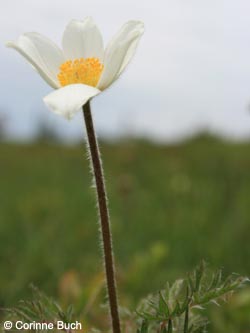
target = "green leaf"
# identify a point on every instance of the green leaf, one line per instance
(144, 327)
(198, 275)
(163, 306)
(185, 329)
(170, 326)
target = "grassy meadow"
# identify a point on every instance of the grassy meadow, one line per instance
(170, 207)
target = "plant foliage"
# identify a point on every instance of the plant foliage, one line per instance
(180, 307)
(41, 309)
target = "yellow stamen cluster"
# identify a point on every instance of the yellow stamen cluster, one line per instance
(86, 71)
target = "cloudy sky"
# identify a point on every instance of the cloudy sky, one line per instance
(191, 71)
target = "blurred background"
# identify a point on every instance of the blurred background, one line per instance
(174, 133)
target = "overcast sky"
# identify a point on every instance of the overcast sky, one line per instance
(191, 71)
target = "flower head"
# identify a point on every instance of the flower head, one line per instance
(82, 69)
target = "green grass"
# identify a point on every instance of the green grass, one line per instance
(170, 207)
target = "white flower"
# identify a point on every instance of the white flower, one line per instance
(82, 69)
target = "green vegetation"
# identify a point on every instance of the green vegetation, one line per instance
(180, 307)
(170, 207)
(177, 308)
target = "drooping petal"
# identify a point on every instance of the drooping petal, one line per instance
(42, 53)
(68, 100)
(119, 52)
(82, 39)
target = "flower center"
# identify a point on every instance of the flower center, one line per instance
(86, 71)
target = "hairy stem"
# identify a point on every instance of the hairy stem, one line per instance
(104, 217)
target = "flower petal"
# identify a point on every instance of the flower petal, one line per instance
(68, 100)
(42, 53)
(120, 51)
(82, 39)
